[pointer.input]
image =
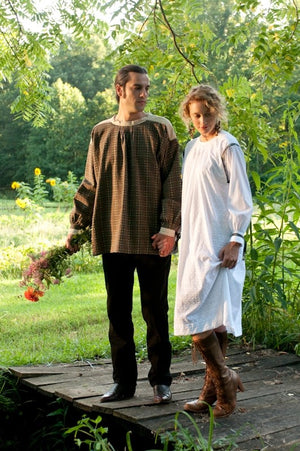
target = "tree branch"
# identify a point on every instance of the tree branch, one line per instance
(173, 34)
(16, 15)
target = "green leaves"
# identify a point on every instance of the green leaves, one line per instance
(256, 179)
(28, 36)
(89, 432)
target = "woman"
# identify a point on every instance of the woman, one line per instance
(216, 211)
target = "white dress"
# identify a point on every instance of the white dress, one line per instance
(216, 209)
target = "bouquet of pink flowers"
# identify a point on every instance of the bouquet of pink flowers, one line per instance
(49, 267)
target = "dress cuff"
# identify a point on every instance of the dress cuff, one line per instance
(168, 232)
(237, 238)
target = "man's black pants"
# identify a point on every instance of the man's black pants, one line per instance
(153, 272)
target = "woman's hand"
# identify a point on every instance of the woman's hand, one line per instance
(229, 255)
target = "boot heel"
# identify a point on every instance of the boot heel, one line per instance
(237, 381)
(240, 386)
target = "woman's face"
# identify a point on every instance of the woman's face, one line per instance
(204, 119)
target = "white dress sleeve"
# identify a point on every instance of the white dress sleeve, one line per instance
(240, 204)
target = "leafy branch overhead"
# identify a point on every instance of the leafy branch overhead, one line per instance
(185, 42)
(29, 36)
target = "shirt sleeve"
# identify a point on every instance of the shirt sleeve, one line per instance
(171, 184)
(240, 204)
(82, 212)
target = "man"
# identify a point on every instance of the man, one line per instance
(130, 197)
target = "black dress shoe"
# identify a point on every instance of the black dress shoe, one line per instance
(162, 394)
(118, 392)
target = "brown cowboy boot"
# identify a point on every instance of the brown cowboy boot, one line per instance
(226, 381)
(208, 393)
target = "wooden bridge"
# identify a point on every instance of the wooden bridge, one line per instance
(267, 415)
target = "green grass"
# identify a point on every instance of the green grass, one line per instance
(69, 322)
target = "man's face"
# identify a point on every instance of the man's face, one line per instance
(133, 96)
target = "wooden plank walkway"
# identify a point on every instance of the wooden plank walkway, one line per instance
(267, 415)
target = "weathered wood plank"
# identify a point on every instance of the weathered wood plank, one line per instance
(267, 414)
(242, 427)
(132, 411)
(179, 364)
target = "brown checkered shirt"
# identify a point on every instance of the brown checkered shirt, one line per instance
(131, 186)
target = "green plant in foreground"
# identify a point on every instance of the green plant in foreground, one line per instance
(184, 439)
(8, 393)
(179, 439)
(48, 432)
(94, 433)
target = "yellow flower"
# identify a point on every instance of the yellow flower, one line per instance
(22, 203)
(52, 182)
(37, 171)
(283, 144)
(230, 92)
(15, 185)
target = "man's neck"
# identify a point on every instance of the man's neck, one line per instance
(127, 116)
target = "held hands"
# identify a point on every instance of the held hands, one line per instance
(229, 255)
(163, 243)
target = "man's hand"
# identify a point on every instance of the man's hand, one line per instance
(70, 243)
(229, 255)
(163, 243)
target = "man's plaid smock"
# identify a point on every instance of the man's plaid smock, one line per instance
(131, 186)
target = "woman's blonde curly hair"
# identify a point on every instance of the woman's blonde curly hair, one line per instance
(212, 99)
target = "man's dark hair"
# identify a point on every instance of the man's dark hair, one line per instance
(122, 76)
